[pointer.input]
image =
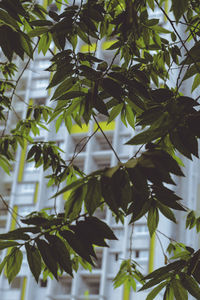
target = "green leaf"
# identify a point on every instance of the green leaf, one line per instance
(190, 284)
(63, 87)
(3, 263)
(191, 220)
(151, 4)
(152, 219)
(73, 204)
(179, 7)
(160, 29)
(180, 292)
(115, 112)
(196, 82)
(130, 116)
(169, 294)
(38, 31)
(14, 262)
(34, 260)
(93, 195)
(167, 212)
(47, 256)
(155, 291)
(69, 187)
(5, 244)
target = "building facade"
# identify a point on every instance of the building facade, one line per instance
(26, 190)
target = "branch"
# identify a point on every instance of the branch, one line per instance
(10, 210)
(182, 42)
(109, 143)
(16, 84)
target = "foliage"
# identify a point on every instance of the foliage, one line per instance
(136, 85)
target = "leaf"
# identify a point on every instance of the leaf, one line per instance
(5, 244)
(160, 29)
(147, 136)
(101, 227)
(196, 82)
(38, 31)
(34, 220)
(73, 204)
(167, 212)
(14, 262)
(152, 219)
(175, 266)
(61, 253)
(112, 87)
(17, 234)
(190, 284)
(93, 195)
(3, 263)
(151, 4)
(153, 282)
(34, 260)
(114, 112)
(180, 292)
(191, 220)
(63, 87)
(71, 95)
(179, 7)
(130, 116)
(60, 76)
(155, 291)
(169, 294)
(69, 187)
(47, 256)
(80, 248)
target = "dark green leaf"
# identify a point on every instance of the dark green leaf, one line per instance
(147, 136)
(93, 195)
(61, 253)
(79, 247)
(112, 87)
(63, 87)
(152, 219)
(180, 292)
(155, 281)
(73, 204)
(17, 234)
(5, 244)
(34, 260)
(48, 256)
(155, 291)
(175, 266)
(190, 284)
(167, 212)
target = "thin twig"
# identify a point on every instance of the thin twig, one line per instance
(131, 242)
(76, 154)
(162, 248)
(16, 84)
(109, 143)
(10, 210)
(175, 30)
